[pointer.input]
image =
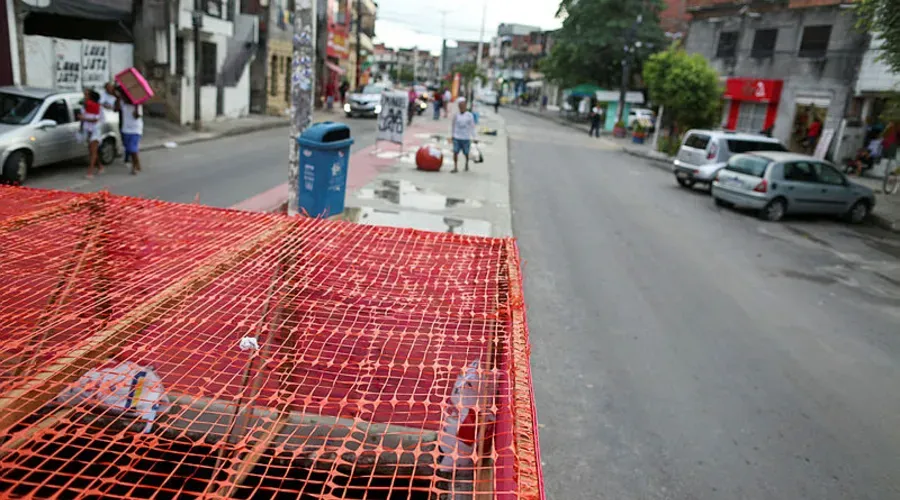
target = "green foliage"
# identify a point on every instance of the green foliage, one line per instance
(468, 72)
(686, 85)
(589, 46)
(669, 144)
(620, 124)
(882, 19)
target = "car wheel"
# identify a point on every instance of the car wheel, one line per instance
(685, 183)
(107, 152)
(721, 203)
(774, 211)
(349, 115)
(16, 167)
(858, 212)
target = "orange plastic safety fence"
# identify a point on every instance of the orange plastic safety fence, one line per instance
(152, 349)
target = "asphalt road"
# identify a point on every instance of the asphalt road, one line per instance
(681, 351)
(223, 172)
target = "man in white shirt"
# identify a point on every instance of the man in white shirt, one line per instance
(463, 133)
(132, 130)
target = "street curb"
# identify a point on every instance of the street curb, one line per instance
(228, 133)
(884, 223)
(656, 162)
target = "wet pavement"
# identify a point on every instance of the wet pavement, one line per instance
(682, 350)
(473, 203)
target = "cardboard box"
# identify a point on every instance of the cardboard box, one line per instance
(134, 85)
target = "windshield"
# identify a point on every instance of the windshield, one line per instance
(373, 89)
(17, 109)
(748, 165)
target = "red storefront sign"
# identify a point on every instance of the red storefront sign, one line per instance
(752, 90)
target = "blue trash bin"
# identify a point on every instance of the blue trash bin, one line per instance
(324, 158)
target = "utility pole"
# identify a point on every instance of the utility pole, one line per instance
(481, 36)
(358, 41)
(415, 64)
(626, 66)
(197, 21)
(303, 88)
(443, 43)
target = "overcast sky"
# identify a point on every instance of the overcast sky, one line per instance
(406, 23)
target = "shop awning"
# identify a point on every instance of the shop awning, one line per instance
(100, 10)
(334, 68)
(631, 97)
(583, 90)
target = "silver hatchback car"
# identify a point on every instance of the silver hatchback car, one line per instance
(704, 152)
(39, 127)
(777, 183)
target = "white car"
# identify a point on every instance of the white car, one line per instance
(366, 102)
(644, 115)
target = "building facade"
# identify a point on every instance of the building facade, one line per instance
(366, 17)
(784, 63)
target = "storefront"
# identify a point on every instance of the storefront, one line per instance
(751, 104)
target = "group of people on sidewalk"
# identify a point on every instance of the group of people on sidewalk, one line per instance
(93, 118)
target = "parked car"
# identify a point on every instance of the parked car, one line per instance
(777, 183)
(366, 102)
(38, 127)
(704, 152)
(645, 116)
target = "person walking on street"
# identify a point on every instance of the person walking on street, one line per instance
(463, 134)
(447, 98)
(497, 104)
(108, 99)
(91, 124)
(411, 105)
(596, 115)
(132, 130)
(438, 104)
(343, 89)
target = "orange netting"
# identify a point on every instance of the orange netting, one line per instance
(152, 349)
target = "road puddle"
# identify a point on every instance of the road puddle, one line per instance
(417, 220)
(407, 195)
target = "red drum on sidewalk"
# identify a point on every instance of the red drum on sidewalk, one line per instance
(429, 158)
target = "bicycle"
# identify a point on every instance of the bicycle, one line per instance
(891, 182)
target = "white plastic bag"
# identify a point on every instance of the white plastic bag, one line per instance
(125, 388)
(476, 155)
(462, 418)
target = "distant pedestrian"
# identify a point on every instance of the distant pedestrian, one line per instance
(543, 102)
(91, 119)
(329, 95)
(411, 106)
(438, 104)
(447, 98)
(596, 115)
(497, 104)
(812, 135)
(132, 130)
(343, 89)
(463, 134)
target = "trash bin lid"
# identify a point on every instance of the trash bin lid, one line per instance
(328, 135)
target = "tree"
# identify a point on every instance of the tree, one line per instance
(686, 85)
(589, 48)
(882, 18)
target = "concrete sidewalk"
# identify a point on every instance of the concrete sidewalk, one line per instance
(474, 202)
(385, 188)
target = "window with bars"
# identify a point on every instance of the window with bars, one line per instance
(727, 44)
(815, 41)
(764, 43)
(273, 73)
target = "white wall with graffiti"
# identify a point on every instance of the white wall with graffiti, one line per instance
(73, 64)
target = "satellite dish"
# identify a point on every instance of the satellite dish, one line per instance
(37, 3)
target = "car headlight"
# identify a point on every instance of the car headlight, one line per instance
(377, 108)
(346, 107)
